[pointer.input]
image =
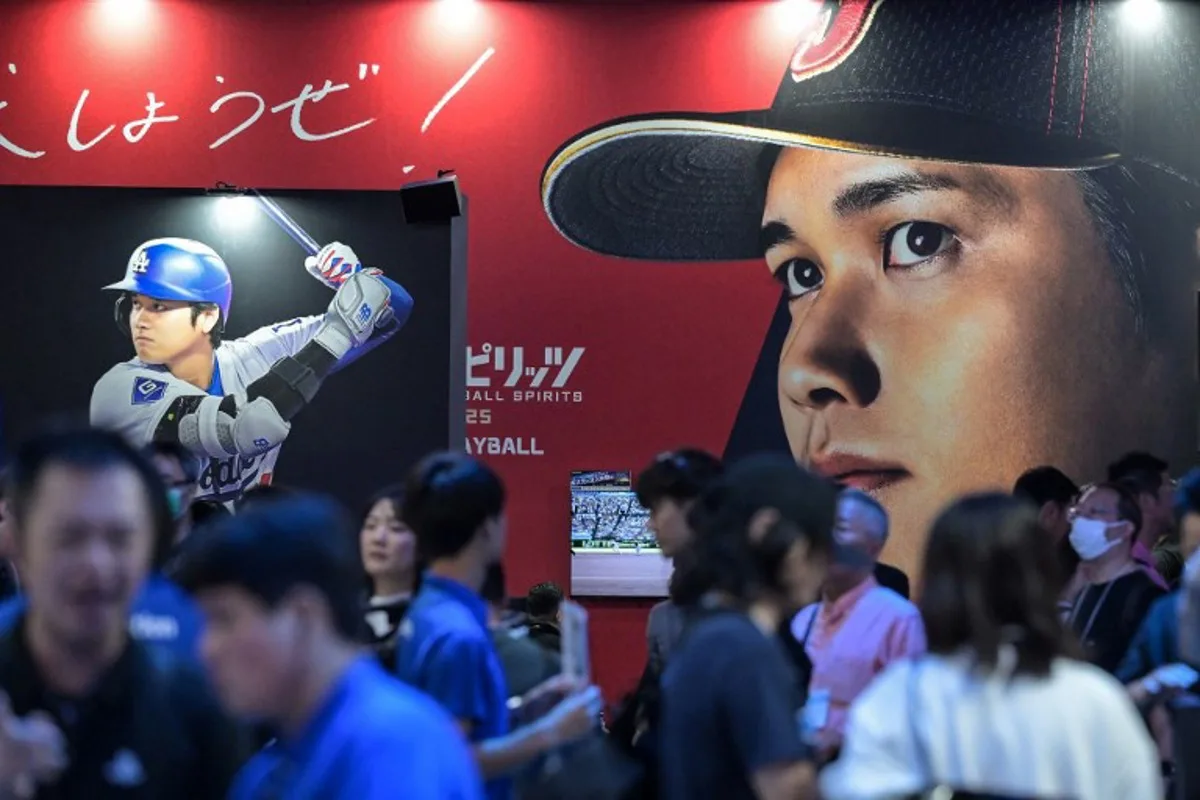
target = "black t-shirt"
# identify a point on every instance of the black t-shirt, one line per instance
(381, 621)
(1105, 616)
(730, 705)
(150, 730)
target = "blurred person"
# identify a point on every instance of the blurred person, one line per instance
(205, 512)
(180, 471)
(1156, 647)
(1053, 494)
(667, 488)
(388, 550)
(527, 664)
(162, 613)
(9, 584)
(543, 607)
(762, 539)
(1149, 478)
(1111, 592)
(857, 628)
(280, 586)
(89, 513)
(260, 493)
(1001, 705)
(455, 506)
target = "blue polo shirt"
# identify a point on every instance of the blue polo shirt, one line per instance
(373, 739)
(445, 649)
(162, 615)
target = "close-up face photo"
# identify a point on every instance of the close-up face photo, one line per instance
(950, 327)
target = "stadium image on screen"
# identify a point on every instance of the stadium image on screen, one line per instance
(606, 515)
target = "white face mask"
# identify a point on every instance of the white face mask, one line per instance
(1090, 539)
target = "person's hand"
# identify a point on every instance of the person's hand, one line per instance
(1174, 678)
(547, 694)
(32, 750)
(574, 717)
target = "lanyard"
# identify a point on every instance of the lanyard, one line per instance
(1083, 635)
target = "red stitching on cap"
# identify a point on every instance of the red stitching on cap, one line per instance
(1087, 62)
(1054, 71)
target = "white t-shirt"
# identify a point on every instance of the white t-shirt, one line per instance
(1074, 734)
(132, 397)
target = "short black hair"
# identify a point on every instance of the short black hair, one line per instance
(189, 463)
(1135, 462)
(272, 548)
(679, 475)
(205, 512)
(544, 599)
(1187, 495)
(261, 493)
(494, 591)
(991, 577)
(722, 557)
(447, 498)
(91, 450)
(1140, 482)
(1128, 508)
(1046, 484)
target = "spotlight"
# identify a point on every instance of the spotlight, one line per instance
(1141, 16)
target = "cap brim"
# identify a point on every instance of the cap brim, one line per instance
(691, 186)
(121, 286)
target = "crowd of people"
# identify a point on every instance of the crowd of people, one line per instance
(155, 647)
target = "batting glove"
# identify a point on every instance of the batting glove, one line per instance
(334, 264)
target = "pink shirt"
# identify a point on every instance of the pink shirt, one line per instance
(1144, 556)
(852, 639)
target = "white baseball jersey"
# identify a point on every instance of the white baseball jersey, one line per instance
(132, 397)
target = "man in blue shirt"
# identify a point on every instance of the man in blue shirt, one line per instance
(279, 586)
(162, 614)
(455, 505)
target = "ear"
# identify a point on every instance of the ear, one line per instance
(208, 319)
(1047, 514)
(760, 523)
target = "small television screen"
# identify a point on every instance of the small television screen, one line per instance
(613, 551)
(605, 513)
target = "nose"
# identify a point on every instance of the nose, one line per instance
(825, 359)
(100, 560)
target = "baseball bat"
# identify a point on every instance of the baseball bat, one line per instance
(284, 221)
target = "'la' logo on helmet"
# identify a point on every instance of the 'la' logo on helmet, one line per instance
(139, 262)
(832, 30)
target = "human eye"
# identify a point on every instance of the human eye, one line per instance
(914, 243)
(799, 276)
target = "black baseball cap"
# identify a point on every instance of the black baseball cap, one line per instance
(1027, 83)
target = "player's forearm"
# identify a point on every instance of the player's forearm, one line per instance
(507, 754)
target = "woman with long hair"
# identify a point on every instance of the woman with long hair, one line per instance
(1000, 705)
(389, 557)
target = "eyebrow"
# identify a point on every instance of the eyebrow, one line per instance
(859, 198)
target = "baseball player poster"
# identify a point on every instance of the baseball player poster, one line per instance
(976, 278)
(235, 329)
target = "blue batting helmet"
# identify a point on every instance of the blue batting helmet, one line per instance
(178, 269)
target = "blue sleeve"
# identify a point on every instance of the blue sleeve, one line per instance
(10, 611)
(454, 677)
(402, 305)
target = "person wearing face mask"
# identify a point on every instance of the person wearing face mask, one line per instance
(1111, 593)
(389, 557)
